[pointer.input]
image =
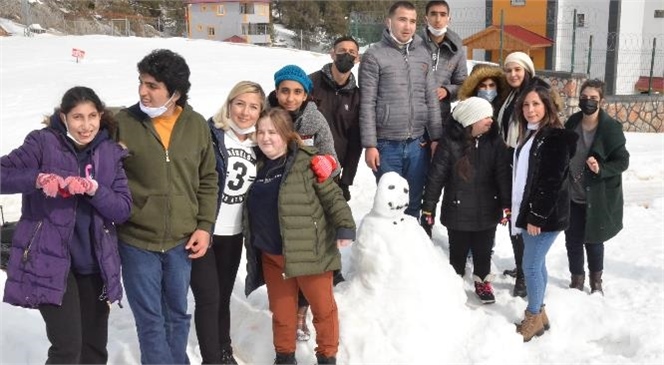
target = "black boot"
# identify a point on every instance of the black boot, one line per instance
(285, 359)
(320, 359)
(577, 281)
(596, 282)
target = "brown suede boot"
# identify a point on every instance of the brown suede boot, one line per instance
(531, 326)
(577, 282)
(545, 320)
(596, 282)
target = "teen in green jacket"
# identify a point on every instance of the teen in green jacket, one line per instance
(295, 223)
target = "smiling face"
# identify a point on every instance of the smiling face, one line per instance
(154, 94)
(291, 95)
(515, 73)
(83, 122)
(533, 108)
(392, 196)
(245, 109)
(402, 24)
(271, 143)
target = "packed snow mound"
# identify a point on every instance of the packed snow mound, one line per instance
(400, 284)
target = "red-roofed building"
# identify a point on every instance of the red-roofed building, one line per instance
(514, 38)
(657, 84)
(232, 21)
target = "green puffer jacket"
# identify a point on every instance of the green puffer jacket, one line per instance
(174, 191)
(312, 216)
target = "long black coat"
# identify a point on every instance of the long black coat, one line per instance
(476, 204)
(546, 199)
(604, 199)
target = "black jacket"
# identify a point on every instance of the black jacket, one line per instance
(341, 107)
(476, 204)
(545, 201)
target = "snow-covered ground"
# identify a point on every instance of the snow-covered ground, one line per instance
(446, 324)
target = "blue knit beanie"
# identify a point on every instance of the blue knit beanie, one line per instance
(293, 73)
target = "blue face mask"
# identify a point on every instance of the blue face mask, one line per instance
(487, 95)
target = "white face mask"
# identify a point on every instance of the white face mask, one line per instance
(241, 131)
(64, 120)
(437, 32)
(389, 28)
(155, 112)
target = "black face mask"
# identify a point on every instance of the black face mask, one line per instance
(344, 62)
(588, 106)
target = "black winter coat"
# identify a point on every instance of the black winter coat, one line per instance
(476, 204)
(546, 199)
(340, 105)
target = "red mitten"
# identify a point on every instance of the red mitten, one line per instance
(81, 185)
(507, 215)
(323, 166)
(49, 183)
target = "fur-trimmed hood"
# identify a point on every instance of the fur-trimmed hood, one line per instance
(479, 73)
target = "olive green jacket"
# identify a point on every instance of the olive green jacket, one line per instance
(312, 216)
(174, 190)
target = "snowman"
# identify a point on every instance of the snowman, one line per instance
(399, 284)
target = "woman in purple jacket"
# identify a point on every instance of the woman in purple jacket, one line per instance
(64, 258)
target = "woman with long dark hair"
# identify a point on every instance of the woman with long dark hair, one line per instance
(540, 198)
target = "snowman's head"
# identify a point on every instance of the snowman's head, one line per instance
(391, 196)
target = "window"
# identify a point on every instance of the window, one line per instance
(211, 31)
(580, 20)
(255, 29)
(199, 28)
(246, 8)
(659, 13)
(221, 10)
(518, 2)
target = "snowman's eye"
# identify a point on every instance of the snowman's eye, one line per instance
(405, 190)
(391, 187)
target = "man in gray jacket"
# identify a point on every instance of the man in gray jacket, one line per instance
(398, 103)
(448, 59)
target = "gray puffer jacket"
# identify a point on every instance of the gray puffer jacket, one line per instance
(448, 61)
(398, 98)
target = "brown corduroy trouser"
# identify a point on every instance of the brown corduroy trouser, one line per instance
(282, 294)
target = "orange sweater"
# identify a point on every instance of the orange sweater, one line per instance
(164, 125)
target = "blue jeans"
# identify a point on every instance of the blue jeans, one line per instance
(156, 284)
(410, 159)
(535, 249)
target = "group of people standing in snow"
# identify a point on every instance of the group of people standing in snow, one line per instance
(172, 199)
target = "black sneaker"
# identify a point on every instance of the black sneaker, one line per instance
(285, 359)
(227, 357)
(520, 288)
(485, 292)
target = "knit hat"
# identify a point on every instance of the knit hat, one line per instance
(471, 111)
(523, 60)
(293, 73)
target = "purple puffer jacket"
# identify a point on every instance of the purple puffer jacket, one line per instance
(40, 261)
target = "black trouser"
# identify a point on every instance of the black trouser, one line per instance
(575, 242)
(78, 329)
(480, 243)
(517, 249)
(212, 280)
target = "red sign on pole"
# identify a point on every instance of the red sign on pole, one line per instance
(77, 53)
